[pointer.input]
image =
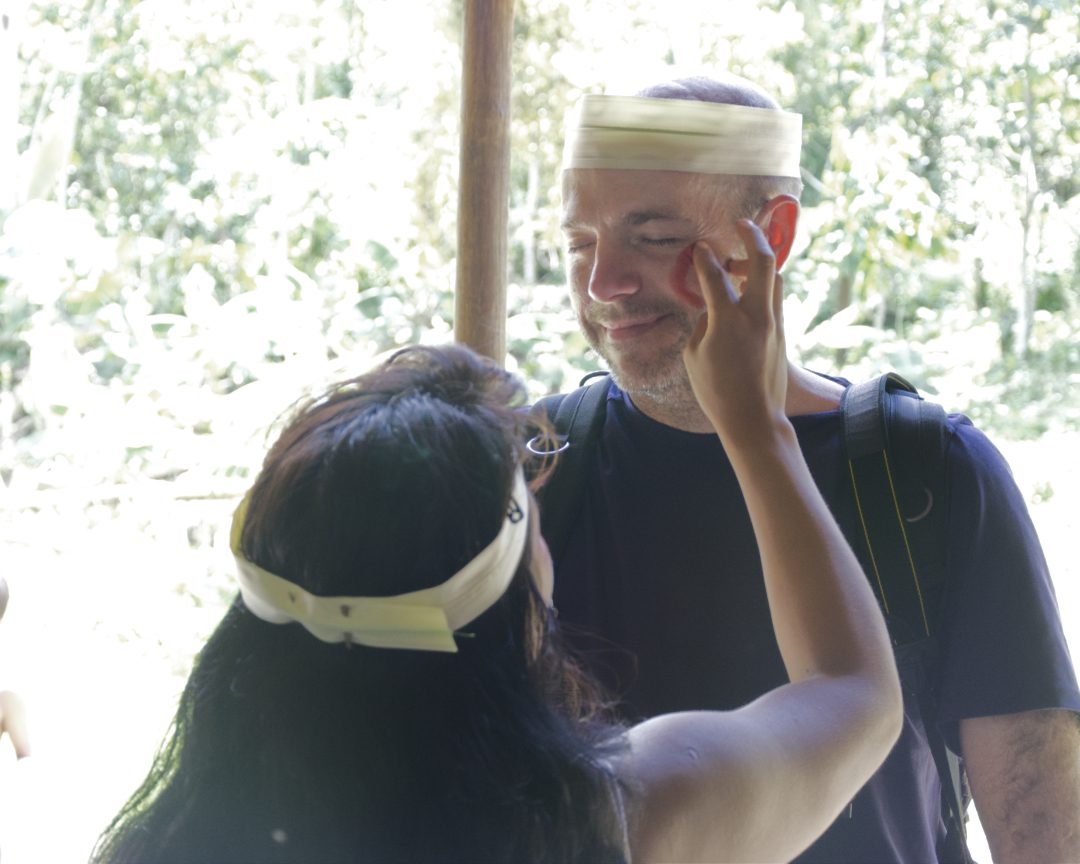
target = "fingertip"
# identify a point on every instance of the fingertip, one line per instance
(749, 226)
(703, 252)
(755, 239)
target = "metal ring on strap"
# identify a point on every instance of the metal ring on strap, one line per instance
(564, 444)
(918, 517)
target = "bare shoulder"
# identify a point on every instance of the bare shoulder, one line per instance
(687, 771)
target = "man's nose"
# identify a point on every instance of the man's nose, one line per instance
(612, 276)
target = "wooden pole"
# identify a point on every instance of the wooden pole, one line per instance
(484, 178)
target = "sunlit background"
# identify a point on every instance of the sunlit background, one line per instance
(210, 208)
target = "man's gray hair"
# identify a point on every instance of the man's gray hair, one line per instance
(746, 194)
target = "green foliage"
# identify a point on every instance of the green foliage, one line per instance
(234, 206)
(237, 210)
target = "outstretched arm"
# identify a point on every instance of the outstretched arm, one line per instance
(764, 781)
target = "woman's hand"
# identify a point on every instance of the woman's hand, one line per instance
(736, 357)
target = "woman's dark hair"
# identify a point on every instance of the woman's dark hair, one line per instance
(285, 748)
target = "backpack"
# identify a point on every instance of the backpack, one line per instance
(894, 441)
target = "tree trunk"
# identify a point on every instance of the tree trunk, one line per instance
(484, 178)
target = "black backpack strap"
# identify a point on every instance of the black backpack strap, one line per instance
(895, 447)
(577, 417)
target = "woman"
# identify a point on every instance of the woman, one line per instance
(446, 723)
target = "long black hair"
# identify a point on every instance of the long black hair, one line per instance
(285, 748)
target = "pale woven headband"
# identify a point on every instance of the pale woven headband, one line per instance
(639, 133)
(424, 620)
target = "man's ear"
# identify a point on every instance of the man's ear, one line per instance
(778, 219)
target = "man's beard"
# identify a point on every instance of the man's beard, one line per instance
(656, 373)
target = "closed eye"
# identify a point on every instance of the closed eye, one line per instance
(662, 241)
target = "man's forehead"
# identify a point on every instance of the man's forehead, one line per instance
(632, 218)
(630, 198)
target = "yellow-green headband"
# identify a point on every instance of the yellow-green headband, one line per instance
(646, 134)
(421, 620)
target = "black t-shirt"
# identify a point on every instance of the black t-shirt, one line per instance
(660, 588)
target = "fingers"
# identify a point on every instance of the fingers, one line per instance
(715, 285)
(778, 301)
(716, 290)
(762, 295)
(758, 292)
(738, 267)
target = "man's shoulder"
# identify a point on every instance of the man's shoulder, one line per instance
(595, 382)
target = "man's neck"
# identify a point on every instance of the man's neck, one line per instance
(807, 393)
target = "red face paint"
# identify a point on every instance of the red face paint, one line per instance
(680, 279)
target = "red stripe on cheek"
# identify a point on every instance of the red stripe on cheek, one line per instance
(680, 280)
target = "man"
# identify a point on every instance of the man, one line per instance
(660, 577)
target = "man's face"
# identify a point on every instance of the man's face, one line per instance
(629, 236)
